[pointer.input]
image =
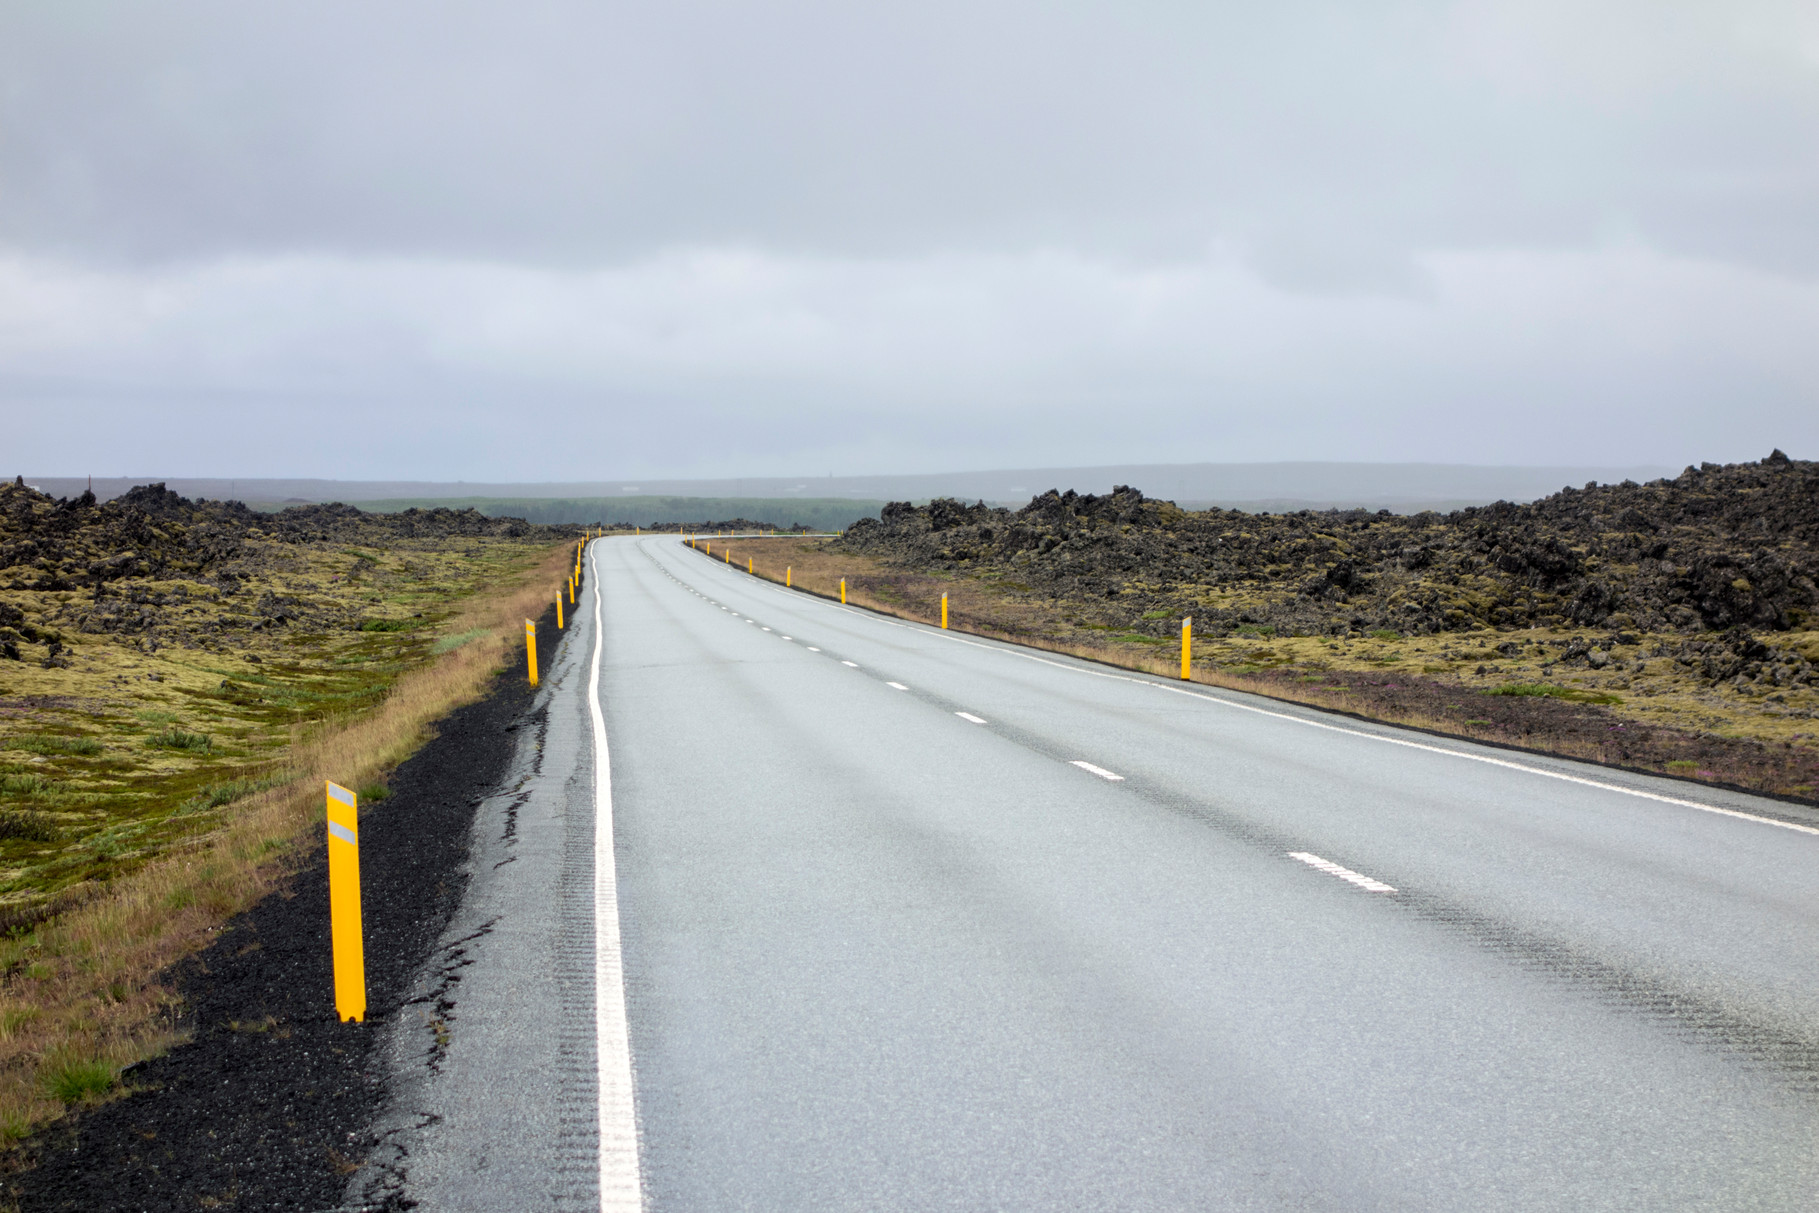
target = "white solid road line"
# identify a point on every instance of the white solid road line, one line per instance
(969, 716)
(1333, 869)
(896, 686)
(621, 1186)
(1101, 772)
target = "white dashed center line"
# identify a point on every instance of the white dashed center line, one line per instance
(1333, 869)
(853, 664)
(1101, 772)
(968, 716)
(896, 686)
(766, 629)
(786, 637)
(813, 649)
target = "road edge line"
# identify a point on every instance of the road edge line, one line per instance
(621, 1184)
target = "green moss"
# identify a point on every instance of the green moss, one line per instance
(1550, 691)
(449, 643)
(38, 744)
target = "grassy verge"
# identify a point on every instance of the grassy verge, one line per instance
(190, 814)
(1643, 710)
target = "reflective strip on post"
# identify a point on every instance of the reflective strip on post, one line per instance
(344, 903)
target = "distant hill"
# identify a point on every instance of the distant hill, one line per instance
(817, 514)
(1402, 488)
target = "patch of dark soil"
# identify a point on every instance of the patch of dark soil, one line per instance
(268, 1105)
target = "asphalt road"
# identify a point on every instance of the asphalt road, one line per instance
(888, 944)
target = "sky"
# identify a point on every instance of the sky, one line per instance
(562, 240)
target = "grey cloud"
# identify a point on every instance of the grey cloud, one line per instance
(1331, 142)
(726, 238)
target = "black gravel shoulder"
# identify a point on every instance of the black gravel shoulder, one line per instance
(271, 1103)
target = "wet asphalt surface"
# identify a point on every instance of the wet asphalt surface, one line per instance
(883, 955)
(894, 937)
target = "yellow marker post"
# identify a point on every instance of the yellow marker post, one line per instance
(843, 589)
(571, 591)
(1187, 645)
(729, 555)
(748, 564)
(710, 549)
(530, 648)
(944, 609)
(344, 903)
(787, 570)
(558, 612)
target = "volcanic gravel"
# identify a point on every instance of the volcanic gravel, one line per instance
(269, 1105)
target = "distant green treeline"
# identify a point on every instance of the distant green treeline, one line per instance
(816, 513)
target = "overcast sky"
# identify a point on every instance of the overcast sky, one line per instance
(553, 240)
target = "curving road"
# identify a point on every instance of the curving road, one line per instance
(910, 920)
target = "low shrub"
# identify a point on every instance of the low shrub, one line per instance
(216, 795)
(387, 625)
(27, 826)
(177, 739)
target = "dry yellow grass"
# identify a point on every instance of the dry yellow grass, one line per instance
(82, 997)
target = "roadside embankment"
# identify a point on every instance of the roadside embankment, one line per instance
(267, 1103)
(164, 776)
